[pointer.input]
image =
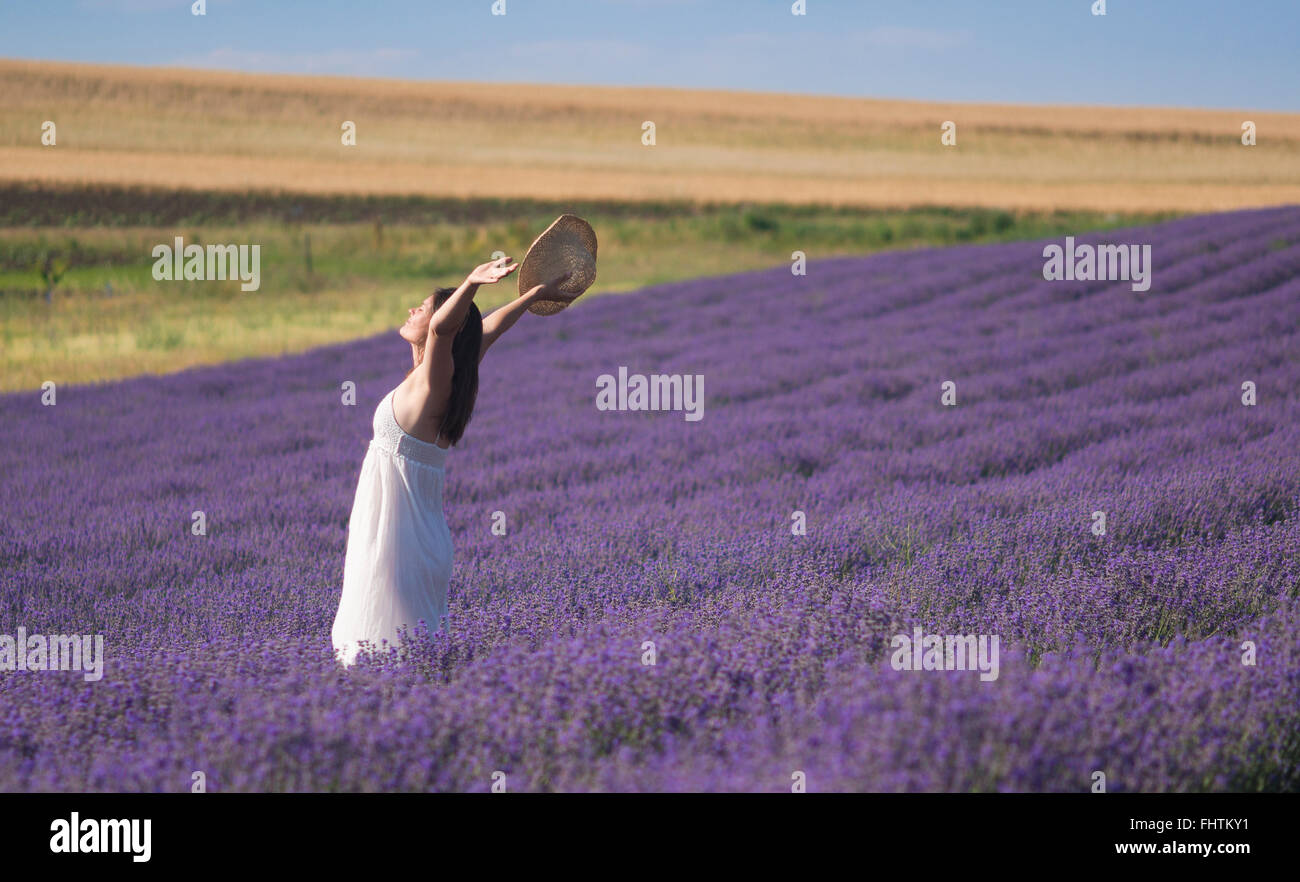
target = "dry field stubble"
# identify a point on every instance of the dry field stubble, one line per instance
(214, 130)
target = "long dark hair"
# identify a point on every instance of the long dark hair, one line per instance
(465, 350)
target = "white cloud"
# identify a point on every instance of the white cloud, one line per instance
(595, 50)
(333, 61)
(879, 37)
(179, 6)
(912, 38)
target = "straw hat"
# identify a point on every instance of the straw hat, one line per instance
(568, 245)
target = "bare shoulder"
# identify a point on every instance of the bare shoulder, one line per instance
(417, 414)
(409, 401)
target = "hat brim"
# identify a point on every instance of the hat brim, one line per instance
(567, 246)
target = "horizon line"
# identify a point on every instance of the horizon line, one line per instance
(833, 96)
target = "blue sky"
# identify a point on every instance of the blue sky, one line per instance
(1189, 53)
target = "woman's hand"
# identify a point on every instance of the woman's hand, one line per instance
(492, 272)
(551, 290)
(500, 320)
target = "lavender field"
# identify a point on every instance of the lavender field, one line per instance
(1121, 653)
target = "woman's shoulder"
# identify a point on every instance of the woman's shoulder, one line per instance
(411, 411)
(414, 390)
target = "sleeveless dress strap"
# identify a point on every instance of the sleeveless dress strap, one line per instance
(392, 438)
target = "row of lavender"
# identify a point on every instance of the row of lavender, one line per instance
(1121, 653)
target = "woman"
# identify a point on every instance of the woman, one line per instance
(399, 547)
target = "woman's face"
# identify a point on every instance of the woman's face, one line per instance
(416, 327)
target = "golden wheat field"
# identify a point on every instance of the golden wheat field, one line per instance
(198, 129)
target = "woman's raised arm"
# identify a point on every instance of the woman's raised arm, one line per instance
(501, 319)
(451, 315)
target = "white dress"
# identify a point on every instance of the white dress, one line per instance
(399, 552)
